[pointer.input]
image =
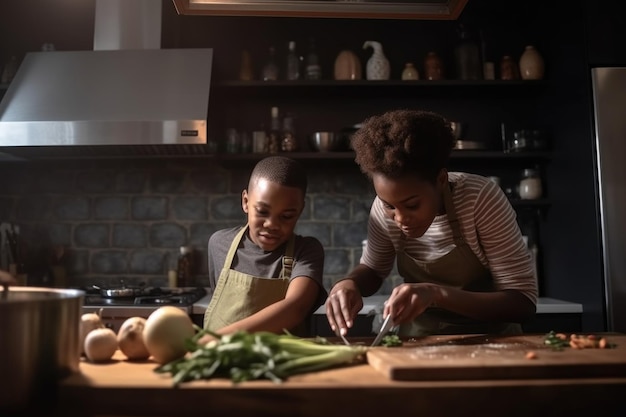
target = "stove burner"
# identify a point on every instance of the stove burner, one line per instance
(166, 299)
(153, 296)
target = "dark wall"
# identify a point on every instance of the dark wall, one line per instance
(571, 41)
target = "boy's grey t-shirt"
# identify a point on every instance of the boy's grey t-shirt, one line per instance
(250, 259)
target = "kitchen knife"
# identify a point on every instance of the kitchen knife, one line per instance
(387, 325)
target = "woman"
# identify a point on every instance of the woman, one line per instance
(454, 236)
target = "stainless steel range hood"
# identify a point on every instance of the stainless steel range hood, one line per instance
(124, 98)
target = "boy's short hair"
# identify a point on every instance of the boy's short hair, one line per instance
(280, 170)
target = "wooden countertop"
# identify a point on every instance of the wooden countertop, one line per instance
(122, 388)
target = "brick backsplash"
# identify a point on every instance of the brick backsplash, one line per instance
(126, 219)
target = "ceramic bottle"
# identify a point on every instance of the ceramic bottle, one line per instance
(508, 68)
(377, 67)
(433, 67)
(410, 72)
(531, 65)
(347, 66)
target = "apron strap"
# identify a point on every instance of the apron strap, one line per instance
(228, 262)
(453, 219)
(288, 261)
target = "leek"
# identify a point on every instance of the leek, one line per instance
(244, 356)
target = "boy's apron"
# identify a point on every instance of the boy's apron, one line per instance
(460, 268)
(238, 295)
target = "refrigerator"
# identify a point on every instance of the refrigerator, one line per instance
(609, 106)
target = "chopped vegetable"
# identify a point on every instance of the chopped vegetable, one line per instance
(244, 356)
(391, 340)
(558, 341)
(531, 355)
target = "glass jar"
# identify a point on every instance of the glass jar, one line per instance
(530, 185)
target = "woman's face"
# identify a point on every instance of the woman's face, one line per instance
(411, 202)
(273, 211)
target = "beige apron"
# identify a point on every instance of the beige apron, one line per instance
(460, 268)
(238, 295)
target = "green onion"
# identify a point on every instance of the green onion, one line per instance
(244, 356)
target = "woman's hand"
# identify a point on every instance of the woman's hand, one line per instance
(6, 278)
(408, 301)
(342, 305)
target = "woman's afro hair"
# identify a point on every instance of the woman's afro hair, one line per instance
(404, 141)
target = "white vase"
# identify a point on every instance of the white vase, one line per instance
(531, 64)
(377, 67)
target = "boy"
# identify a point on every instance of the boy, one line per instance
(268, 278)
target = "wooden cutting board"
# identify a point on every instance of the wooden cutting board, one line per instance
(481, 357)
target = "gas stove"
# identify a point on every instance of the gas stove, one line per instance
(114, 310)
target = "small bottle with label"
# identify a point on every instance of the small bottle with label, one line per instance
(313, 70)
(293, 63)
(184, 270)
(270, 69)
(274, 135)
(289, 142)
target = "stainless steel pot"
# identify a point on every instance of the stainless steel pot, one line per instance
(39, 344)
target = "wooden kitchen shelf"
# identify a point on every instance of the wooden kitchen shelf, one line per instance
(456, 154)
(294, 155)
(378, 83)
(314, 88)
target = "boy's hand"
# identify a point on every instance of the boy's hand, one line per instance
(205, 339)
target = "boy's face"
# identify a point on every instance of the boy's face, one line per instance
(273, 211)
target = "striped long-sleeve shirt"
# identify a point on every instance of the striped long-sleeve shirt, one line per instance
(488, 224)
